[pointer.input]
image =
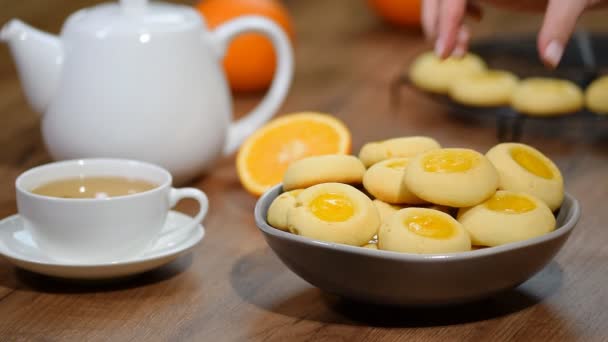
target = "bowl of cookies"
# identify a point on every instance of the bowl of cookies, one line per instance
(408, 222)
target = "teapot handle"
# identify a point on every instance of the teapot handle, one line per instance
(241, 129)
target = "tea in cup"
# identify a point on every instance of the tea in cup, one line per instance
(100, 210)
(93, 187)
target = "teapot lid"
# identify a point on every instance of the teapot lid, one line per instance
(128, 16)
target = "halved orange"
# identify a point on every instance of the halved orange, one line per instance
(265, 155)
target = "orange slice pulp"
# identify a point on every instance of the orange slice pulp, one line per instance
(265, 155)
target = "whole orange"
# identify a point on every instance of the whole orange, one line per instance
(250, 59)
(403, 13)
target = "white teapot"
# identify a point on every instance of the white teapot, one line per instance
(142, 81)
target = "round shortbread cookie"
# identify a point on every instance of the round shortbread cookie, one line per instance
(323, 169)
(596, 96)
(443, 208)
(371, 246)
(277, 212)
(384, 180)
(455, 177)
(547, 97)
(522, 168)
(423, 231)
(432, 74)
(334, 212)
(386, 210)
(485, 89)
(374, 152)
(507, 217)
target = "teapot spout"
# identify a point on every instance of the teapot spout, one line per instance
(39, 57)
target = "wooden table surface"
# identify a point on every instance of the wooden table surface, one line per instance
(232, 288)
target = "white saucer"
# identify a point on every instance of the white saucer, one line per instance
(17, 246)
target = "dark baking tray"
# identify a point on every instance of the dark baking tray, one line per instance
(585, 58)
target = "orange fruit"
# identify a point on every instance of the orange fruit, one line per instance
(250, 60)
(265, 155)
(401, 13)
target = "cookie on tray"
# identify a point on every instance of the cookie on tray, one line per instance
(430, 73)
(539, 96)
(596, 96)
(491, 88)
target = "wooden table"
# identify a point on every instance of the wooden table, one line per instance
(231, 287)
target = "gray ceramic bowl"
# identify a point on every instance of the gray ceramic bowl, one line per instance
(384, 277)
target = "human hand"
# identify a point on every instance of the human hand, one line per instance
(442, 21)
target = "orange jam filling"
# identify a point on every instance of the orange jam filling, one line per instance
(510, 203)
(531, 162)
(450, 161)
(332, 207)
(429, 226)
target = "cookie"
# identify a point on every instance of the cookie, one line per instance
(386, 210)
(491, 88)
(522, 168)
(448, 210)
(507, 217)
(384, 181)
(432, 74)
(334, 212)
(547, 97)
(323, 169)
(277, 212)
(374, 152)
(596, 96)
(423, 231)
(371, 246)
(454, 177)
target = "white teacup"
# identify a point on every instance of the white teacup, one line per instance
(101, 230)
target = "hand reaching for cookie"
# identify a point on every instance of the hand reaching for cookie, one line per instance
(442, 21)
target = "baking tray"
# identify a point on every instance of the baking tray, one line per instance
(585, 58)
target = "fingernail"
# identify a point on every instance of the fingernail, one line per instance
(459, 51)
(553, 53)
(439, 47)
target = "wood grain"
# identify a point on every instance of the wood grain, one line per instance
(232, 288)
